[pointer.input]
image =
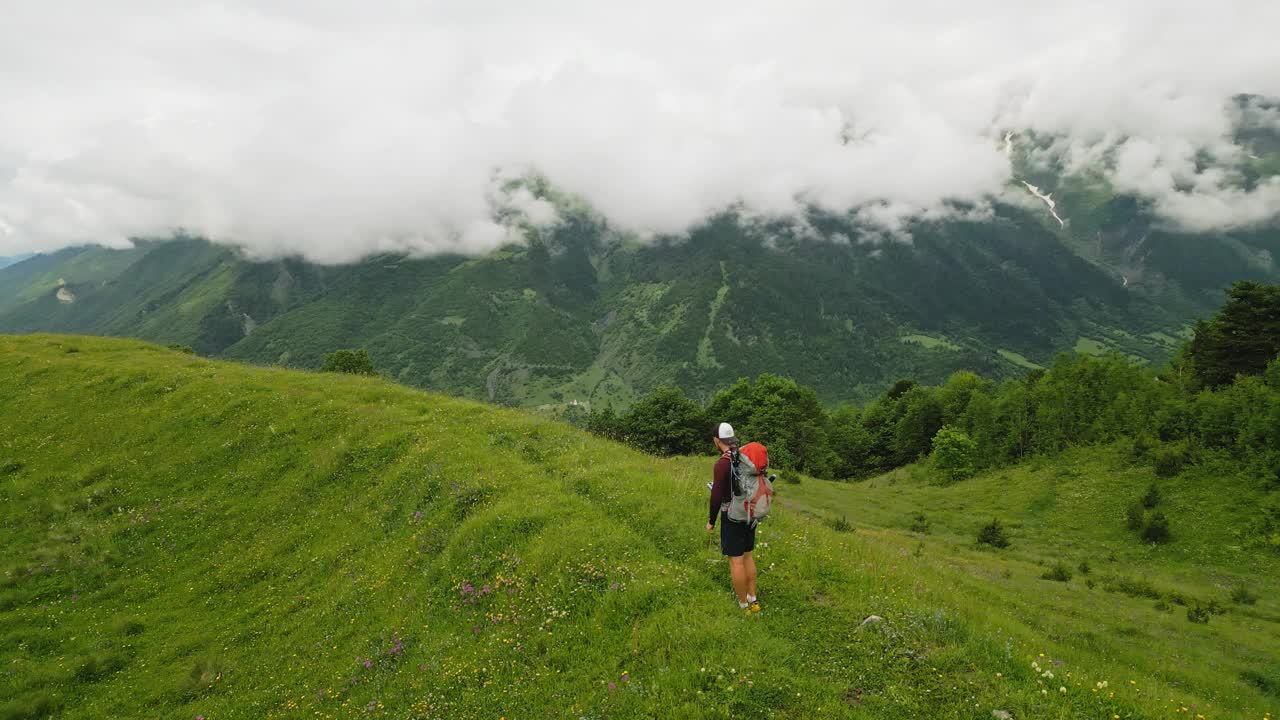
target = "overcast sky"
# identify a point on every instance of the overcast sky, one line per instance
(335, 129)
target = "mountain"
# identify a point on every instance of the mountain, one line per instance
(7, 261)
(186, 537)
(586, 315)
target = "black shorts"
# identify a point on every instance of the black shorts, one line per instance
(736, 538)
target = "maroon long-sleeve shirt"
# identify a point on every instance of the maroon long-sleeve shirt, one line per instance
(720, 492)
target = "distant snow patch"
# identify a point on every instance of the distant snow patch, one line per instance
(1048, 200)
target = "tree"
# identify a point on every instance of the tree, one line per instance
(355, 362)
(605, 423)
(920, 418)
(954, 454)
(1242, 338)
(784, 416)
(667, 423)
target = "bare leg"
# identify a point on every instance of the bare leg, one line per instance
(738, 573)
(750, 567)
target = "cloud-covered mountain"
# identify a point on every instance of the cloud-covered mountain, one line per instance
(333, 131)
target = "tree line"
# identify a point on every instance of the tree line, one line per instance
(1220, 393)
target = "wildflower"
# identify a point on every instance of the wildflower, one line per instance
(626, 677)
(1062, 690)
(613, 686)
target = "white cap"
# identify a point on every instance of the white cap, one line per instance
(726, 432)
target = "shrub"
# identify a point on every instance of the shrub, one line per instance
(789, 476)
(1084, 567)
(205, 673)
(920, 524)
(1198, 614)
(1268, 681)
(1133, 516)
(954, 454)
(1241, 595)
(1143, 444)
(1058, 573)
(993, 534)
(185, 349)
(1133, 587)
(841, 524)
(354, 362)
(1151, 497)
(1155, 528)
(1169, 460)
(96, 667)
(29, 708)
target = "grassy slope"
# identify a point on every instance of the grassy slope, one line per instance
(1072, 510)
(185, 537)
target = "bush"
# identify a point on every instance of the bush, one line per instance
(185, 349)
(354, 362)
(1133, 587)
(1169, 460)
(993, 534)
(1133, 516)
(1058, 573)
(1151, 497)
(841, 524)
(1155, 528)
(1143, 444)
(954, 454)
(920, 524)
(1241, 595)
(1198, 614)
(790, 477)
(666, 422)
(1084, 567)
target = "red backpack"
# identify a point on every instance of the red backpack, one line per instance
(751, 485)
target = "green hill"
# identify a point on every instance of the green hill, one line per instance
(584, 314)
(186, 537)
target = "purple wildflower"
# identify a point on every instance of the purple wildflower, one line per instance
(614, 586)
(626, 677)
(613, 686)
(367, 664)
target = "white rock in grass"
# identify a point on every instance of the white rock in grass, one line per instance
(872, 620)
(1002, 715)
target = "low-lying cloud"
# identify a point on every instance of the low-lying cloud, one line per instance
(335, 129)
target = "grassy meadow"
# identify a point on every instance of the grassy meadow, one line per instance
(186, 538)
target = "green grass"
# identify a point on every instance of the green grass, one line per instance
(1018, 360)
(1126, 618)
(1089, 346)
(188, 537)
(928, 341)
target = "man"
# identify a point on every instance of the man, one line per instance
(737, 539)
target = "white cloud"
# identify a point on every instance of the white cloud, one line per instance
(334, 128)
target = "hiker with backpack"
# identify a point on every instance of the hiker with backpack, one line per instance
(741, 495)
